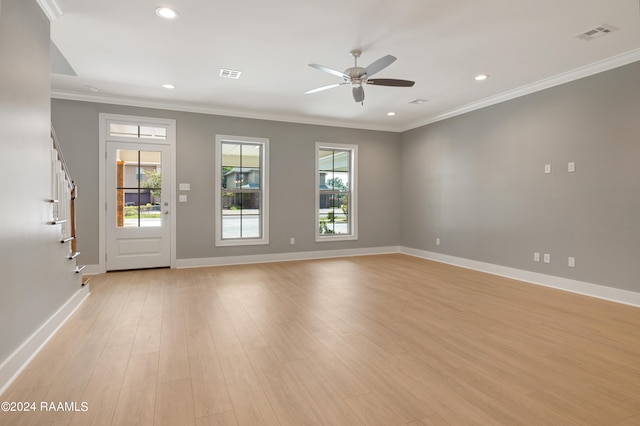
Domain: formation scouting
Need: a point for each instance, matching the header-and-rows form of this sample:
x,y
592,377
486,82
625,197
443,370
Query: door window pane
x,y
138,188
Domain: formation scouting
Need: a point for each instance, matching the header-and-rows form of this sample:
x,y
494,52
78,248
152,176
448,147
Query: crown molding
x,y
50,8
566,77
569,76
203,109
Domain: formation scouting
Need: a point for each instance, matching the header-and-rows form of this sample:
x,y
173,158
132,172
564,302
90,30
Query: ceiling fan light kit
x,y
357,76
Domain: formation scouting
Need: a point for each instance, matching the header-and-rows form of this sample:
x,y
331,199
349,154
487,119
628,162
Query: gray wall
x,y
35,276
292,154
477,182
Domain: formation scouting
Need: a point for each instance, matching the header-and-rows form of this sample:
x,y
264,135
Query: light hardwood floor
x,y
384,340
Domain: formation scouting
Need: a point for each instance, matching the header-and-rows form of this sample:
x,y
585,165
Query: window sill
x,y
232,243
326,239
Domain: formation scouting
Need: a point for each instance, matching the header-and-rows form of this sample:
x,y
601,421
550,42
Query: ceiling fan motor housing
x,y
356,75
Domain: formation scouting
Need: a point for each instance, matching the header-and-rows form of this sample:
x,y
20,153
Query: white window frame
x,y
264,183
353,193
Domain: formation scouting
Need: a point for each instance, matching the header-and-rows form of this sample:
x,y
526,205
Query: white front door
x,y
138,205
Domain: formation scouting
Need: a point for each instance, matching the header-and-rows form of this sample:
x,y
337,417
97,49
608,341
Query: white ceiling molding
x,y
586,71
595,68
203,109
50,8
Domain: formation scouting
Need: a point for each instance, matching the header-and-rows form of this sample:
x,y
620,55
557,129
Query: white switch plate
x,y
184,187
536,257
182,198
292,240
547,168
437,241
571,167
546,258
571,262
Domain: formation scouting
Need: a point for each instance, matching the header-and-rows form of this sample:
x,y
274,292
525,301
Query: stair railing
x,y
63,198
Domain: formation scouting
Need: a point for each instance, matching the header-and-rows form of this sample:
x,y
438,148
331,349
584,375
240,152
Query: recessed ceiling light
x,y
169,86
166,12
391,113
481,77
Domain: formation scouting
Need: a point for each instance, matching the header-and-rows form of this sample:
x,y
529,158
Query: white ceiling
x,y
127,52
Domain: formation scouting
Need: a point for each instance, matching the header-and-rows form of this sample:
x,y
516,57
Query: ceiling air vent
x,y
597,32
229,73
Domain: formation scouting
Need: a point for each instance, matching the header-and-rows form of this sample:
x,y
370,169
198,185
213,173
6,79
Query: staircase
x,y
63,198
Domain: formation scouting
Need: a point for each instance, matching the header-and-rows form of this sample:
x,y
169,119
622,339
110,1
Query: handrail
x,y
65,169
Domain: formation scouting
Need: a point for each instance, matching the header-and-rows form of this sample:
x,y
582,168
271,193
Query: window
x,y
336,192
136,131
241,191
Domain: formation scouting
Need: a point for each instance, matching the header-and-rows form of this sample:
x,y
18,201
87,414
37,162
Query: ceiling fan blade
x,y
320,89
391,82
379,65
358,93
330,71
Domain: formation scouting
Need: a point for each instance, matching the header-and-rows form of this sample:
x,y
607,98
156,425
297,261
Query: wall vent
x,y
230,73
596,32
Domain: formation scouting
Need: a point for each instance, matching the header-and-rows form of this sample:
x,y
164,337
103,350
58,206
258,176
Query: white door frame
x,y
103,126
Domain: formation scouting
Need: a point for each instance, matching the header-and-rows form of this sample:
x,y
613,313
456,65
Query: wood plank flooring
x,y
388,340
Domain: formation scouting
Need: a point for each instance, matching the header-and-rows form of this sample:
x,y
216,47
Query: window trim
x,y
264,180
353,193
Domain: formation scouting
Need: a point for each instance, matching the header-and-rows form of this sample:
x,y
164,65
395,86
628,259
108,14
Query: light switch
x,y
571,167
185,187
182,198
547,168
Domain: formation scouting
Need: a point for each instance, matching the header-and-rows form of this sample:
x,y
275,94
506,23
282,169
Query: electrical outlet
x,y
571,262
546,258
536,257
571,167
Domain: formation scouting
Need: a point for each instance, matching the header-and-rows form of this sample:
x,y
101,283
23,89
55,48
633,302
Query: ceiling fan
x,y
357,76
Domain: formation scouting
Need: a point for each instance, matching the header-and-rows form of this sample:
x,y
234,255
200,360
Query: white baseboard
x,y
91,270
283,257
588,289
21,357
